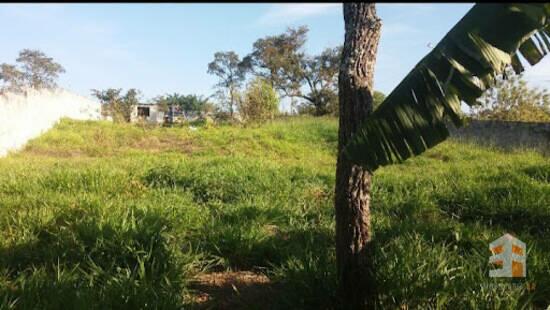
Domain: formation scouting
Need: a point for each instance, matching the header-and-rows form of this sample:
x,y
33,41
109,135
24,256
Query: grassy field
x,y
95,215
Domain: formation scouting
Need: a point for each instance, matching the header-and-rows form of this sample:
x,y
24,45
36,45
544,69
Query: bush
x,y
260,101
512,99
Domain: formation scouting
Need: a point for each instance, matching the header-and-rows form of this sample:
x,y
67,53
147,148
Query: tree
x,y
36,71
333,108
13,79
186,103
115,105
353,182
231,72
511,99
39,70
108,98
281,60
260,101
193,103
413,118
321,77
126,106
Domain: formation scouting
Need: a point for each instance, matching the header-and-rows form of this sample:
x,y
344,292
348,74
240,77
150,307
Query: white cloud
x,y
289,12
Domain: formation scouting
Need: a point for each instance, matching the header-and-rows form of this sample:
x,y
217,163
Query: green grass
x,y
99,215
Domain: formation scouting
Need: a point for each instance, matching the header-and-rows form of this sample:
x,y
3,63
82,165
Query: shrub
x,y
260,101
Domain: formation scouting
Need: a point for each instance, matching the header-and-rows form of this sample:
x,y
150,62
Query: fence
x,y
506,135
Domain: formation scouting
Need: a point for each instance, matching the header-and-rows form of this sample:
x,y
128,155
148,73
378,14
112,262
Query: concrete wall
x,y
24,117
507,135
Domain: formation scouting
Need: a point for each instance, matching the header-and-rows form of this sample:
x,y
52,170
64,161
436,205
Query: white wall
x,y
25,117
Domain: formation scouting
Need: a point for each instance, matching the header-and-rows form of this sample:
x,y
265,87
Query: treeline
x,y
281,63
249,88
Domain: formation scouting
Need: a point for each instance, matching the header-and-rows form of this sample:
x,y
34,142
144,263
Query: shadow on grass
x,y
299,262
540,173
75,262
512,219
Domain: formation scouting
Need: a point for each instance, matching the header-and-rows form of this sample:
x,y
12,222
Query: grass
x,y
95,215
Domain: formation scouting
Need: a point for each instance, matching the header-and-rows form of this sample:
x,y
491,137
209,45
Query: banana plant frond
x,y
416,114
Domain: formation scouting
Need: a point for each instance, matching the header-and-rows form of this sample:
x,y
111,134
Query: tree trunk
x,y
353,184
231,102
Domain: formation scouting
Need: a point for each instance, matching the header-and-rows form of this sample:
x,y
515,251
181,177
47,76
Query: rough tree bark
x,y
352,196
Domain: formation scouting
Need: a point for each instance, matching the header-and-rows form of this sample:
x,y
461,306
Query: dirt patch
x,y
155,144
233,290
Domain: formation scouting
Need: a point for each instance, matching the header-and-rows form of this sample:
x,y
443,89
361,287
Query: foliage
x,y
332,107
281,60
511,99
119,107
36,71
12,78
231,72
321,76
208,107
130,220
194,103
278,59
461,66
260,101
187,103
377,98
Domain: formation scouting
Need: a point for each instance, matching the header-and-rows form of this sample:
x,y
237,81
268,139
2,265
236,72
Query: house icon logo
x,y
510,254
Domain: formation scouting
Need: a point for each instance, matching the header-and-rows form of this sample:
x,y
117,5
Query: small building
x,y
147,112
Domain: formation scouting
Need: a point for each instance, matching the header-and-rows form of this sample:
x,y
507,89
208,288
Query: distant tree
x,y
128,102
260,101
231,72
36,71
512,99
108,98
39,70
208,107
187,103
333,100
320,74
12,79
174,99
118,106
281,60
193,103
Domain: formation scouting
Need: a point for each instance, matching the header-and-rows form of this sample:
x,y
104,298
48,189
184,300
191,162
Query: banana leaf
x,y
416,114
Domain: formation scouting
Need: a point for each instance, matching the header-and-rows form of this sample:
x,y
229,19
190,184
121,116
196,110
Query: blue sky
x,y
165,48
